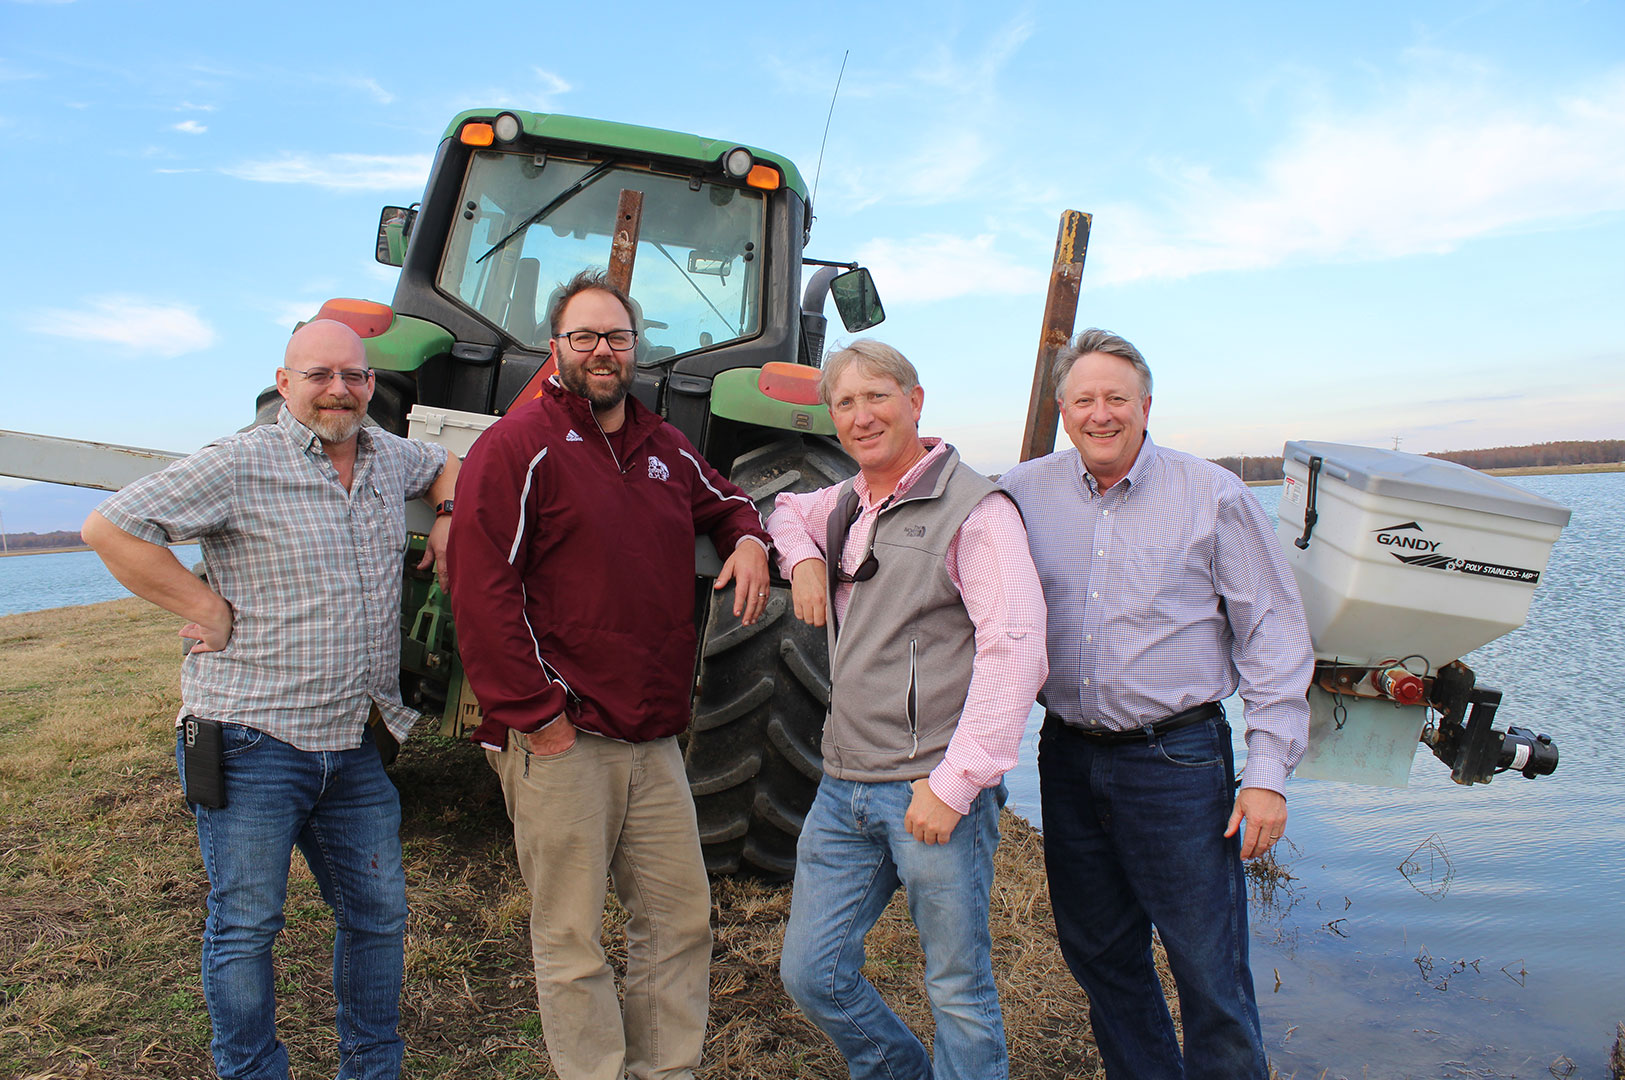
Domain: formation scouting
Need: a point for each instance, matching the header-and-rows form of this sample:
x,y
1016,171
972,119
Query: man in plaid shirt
x,y
297,647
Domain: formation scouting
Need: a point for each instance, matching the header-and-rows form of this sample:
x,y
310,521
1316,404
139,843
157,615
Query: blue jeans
x,y
341,810
852,856
1133,837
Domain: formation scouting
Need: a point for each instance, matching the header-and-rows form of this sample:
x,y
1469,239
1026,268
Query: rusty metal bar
x,y
1060,313
623,250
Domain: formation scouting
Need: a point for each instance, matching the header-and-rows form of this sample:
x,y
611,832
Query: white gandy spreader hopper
x,y
1406,564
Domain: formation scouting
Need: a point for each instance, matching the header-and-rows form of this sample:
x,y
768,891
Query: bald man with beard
x,y
296,650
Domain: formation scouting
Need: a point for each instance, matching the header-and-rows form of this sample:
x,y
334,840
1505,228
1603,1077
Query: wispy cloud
x,y
551,83
941,124
1434,167
373,90
942,267
142,325
189,127
188,106
340,172
11,73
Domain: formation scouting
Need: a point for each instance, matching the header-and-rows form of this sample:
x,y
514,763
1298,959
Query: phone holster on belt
x,y
203,774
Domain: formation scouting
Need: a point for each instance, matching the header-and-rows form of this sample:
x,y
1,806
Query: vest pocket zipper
x,y
913,696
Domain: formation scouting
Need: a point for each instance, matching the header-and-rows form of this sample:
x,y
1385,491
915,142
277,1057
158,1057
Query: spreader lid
x,y
1398,475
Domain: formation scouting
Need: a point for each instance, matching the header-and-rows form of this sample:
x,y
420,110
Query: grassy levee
x,y
102,902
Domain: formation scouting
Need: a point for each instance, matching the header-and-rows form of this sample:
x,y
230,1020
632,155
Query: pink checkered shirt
x,y
989,564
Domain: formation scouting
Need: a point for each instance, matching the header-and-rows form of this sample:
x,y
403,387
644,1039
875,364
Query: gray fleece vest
x,y
901,659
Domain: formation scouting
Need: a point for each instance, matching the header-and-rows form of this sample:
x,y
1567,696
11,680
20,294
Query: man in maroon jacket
x,y
572,554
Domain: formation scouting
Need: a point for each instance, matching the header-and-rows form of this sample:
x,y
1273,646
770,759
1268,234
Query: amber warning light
x,y
367,318
793,384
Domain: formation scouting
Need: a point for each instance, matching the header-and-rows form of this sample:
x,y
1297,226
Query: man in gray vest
x,y
919,567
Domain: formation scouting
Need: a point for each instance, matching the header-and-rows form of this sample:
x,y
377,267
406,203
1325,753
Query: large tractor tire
x,y
753,748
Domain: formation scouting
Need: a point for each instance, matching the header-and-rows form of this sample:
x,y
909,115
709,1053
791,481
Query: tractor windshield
x,y
698,275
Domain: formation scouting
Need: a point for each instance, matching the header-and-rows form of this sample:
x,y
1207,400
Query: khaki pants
x,y
623,810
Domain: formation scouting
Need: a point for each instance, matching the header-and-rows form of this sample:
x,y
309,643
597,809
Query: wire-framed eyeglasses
x,y
322,376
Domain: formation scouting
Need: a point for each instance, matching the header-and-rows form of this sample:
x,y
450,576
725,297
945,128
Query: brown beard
x,y
575,380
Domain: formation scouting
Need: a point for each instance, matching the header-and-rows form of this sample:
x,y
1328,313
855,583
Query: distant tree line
x,y
1251,468
1573,452
39,541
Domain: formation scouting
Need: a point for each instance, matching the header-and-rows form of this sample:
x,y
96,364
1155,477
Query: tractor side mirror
x,y
394,230
857,300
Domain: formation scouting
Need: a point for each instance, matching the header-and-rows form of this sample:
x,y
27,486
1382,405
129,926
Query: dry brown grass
x,y
102,902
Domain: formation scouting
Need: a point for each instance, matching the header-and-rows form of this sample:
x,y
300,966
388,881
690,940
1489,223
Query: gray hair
x,y
1095,340
872,358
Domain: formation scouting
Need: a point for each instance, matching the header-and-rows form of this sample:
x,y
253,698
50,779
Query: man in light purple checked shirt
x,y
919,566
1166,591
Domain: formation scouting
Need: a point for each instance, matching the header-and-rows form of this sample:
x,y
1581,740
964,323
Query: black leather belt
x,y
1193,715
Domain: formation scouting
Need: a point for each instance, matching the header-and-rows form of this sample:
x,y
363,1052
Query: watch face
x,y
443,507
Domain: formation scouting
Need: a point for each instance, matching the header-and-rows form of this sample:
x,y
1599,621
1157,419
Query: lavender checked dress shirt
x,y
1166,591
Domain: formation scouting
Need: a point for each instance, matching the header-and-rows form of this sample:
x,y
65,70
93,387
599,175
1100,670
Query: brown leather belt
x,y
1193,715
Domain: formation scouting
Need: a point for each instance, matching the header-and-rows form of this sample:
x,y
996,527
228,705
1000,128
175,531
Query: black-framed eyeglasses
x,y
587,340
322,376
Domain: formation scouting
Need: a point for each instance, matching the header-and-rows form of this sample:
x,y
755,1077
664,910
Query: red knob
x,y
1400,685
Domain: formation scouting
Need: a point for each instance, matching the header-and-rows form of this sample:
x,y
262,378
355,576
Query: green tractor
x,y
708,236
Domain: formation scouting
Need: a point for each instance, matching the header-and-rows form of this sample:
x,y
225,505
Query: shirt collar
x,y
1137,474
934,448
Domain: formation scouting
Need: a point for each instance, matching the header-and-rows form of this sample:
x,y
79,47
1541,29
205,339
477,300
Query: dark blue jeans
x,y
342,812
1134,838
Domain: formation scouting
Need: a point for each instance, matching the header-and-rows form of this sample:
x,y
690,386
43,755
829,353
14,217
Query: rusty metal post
x,y
1060,313
623,250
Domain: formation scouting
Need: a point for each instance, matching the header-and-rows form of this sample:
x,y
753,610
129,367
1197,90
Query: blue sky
x,y
1346,222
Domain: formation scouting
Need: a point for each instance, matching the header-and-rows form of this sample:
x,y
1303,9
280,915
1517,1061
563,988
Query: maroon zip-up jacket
x,y
573,573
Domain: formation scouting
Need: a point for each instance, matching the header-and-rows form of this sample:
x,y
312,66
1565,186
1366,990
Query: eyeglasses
x,y
322,376
866,570
587,340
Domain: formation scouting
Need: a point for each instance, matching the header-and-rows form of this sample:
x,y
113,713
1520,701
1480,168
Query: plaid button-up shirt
x,y
312,573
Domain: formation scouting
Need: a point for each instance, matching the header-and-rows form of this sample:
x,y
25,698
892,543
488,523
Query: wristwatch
x,y
442,508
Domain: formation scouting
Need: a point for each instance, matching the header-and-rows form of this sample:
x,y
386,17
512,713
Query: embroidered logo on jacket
x,y
915,531
657,469
572,437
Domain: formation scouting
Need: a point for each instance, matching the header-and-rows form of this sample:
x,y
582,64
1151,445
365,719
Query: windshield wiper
x,y
553,204
695,286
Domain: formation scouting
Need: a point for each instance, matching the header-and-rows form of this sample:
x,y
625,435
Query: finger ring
x,y
761,594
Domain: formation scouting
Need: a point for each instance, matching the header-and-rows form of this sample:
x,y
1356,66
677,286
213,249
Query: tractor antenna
x,y
820,170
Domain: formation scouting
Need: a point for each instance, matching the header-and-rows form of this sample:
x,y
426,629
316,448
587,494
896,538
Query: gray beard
x,y
337,429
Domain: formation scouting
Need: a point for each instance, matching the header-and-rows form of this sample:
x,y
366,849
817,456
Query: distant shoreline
x,y
1524,470
44,551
